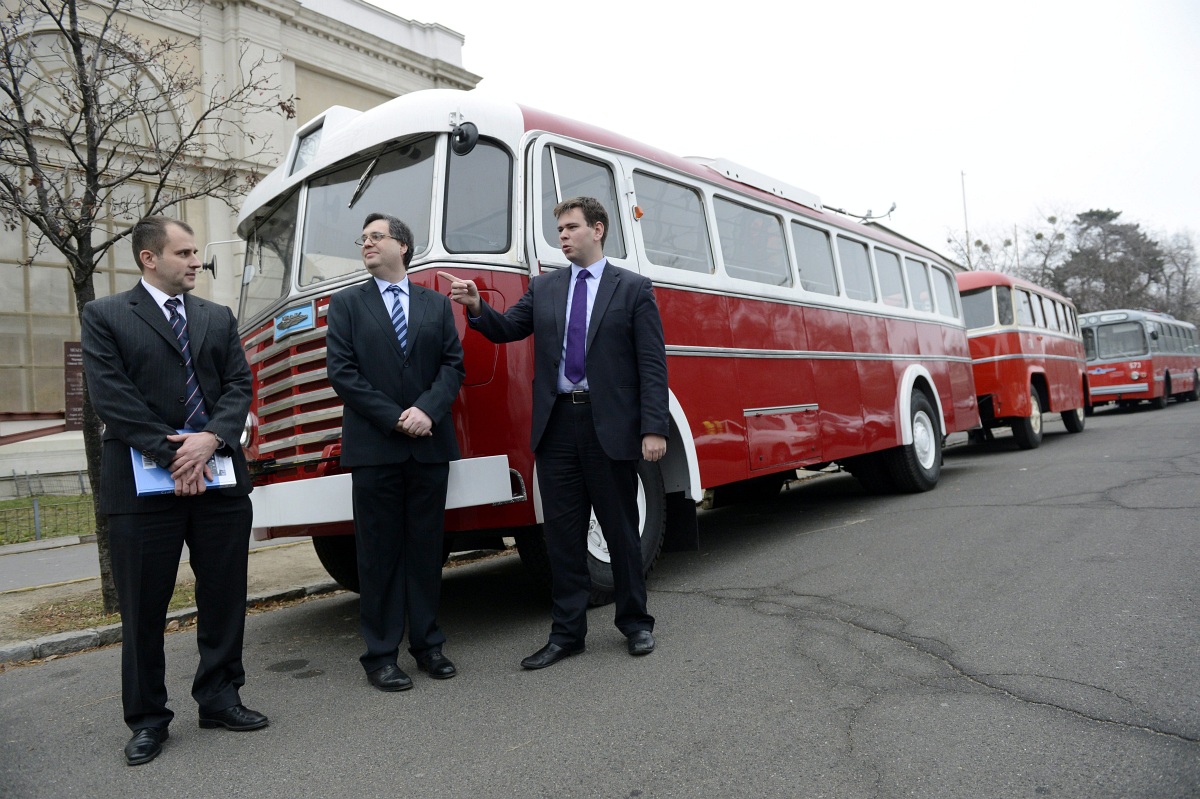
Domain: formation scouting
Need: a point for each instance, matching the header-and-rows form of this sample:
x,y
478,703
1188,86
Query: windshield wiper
x,y
363,182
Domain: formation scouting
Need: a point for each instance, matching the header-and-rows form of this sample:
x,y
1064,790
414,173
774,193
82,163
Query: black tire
x,y
873,472
1160,402
1027,432
531,541
1194,394
1073,420
652,517
339,555
917,466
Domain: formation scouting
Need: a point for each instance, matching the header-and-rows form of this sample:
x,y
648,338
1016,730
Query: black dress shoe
x,y
238,718
437,664
549,655
641,643
389,678
145,745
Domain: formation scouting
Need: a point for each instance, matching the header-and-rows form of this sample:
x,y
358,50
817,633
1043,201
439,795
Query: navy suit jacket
x,y
626,361
377,380
136,381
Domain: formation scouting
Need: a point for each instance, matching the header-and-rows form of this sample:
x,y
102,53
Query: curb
x,y
57,542
80,640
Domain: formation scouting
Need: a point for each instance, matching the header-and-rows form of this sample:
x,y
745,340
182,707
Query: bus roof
x,y
1129,315
982,278
340,133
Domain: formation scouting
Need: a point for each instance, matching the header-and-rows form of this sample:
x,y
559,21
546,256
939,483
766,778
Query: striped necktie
x,y
398,320
197,416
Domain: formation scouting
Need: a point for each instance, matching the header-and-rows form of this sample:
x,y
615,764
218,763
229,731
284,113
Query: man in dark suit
x,y
158,360
599,403
394,358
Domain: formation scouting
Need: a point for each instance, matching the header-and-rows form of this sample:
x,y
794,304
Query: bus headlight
x,y
249,431
1135,374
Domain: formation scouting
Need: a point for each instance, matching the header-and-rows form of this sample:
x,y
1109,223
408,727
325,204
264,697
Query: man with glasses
x,y
394,358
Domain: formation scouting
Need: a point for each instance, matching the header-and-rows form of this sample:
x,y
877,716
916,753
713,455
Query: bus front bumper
x,y
283,509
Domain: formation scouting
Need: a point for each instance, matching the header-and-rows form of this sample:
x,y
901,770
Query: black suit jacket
x,y
136,381
626,361
376,380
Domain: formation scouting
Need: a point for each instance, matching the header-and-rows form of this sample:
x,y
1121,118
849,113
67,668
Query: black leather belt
x,y
576,397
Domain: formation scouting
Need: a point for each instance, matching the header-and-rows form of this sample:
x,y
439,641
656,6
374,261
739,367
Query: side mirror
x,y
463,138
211,266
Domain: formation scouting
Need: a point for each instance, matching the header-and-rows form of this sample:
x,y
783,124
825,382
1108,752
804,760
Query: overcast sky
x,y
1045,106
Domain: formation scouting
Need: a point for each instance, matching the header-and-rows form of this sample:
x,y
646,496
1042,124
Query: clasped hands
x,y
189,466
415,423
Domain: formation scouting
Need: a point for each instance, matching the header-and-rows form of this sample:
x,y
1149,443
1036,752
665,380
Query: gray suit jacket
x,y
626,358
377,380
135,379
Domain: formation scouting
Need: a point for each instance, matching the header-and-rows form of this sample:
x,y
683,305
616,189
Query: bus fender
x,y
904,397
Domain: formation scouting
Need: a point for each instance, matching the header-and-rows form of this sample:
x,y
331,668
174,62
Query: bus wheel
x,y
917,466
1194,394
1073,420
339,555
1028,431
652,523
1160,402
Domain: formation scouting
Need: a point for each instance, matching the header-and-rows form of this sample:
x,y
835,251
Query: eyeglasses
x,y
374,237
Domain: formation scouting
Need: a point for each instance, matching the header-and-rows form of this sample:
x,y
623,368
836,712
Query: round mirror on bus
x,y
464,138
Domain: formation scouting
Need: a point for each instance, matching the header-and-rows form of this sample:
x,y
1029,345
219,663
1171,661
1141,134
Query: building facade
x,y
327,52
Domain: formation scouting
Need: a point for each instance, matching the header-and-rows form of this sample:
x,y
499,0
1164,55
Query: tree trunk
x,y
85,292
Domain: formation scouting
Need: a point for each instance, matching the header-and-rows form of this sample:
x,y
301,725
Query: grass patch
x,y
82,611
58,516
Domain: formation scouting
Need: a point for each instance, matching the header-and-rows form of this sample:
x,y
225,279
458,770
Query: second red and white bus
x,y
795,338
1027,355
1140,356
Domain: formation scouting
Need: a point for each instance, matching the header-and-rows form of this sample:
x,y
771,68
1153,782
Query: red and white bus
x,y
1027,355
1135,356
795,338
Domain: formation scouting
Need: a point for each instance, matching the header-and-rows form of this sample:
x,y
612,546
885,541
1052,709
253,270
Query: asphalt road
x,y
1028,629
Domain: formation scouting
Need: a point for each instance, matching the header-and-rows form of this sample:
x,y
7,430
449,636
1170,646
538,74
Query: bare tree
x,y
1179,290
1045,248
99,126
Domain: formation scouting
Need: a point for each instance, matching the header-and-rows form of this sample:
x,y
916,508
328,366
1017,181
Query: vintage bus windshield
x,y
269,259
1122,340
477,215
980,306
398,182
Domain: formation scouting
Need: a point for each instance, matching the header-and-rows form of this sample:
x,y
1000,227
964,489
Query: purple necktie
x,y
577,329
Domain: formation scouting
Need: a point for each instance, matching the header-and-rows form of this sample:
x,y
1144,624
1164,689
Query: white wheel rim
x,y
597,546
924,442
1035,418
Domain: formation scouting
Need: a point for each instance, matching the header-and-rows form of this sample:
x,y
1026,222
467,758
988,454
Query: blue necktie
x,y
197,416
577,329
398,320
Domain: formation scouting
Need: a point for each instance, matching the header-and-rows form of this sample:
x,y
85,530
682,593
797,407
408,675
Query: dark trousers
x,y
575,477
399,521
146,548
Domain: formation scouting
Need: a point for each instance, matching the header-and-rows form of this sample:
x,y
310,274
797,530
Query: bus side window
x,y
566,175
1039,318
752,244
945,289
918,285
815,259
856,269
673,230
1051,313
1024,308
891,282
1004,304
